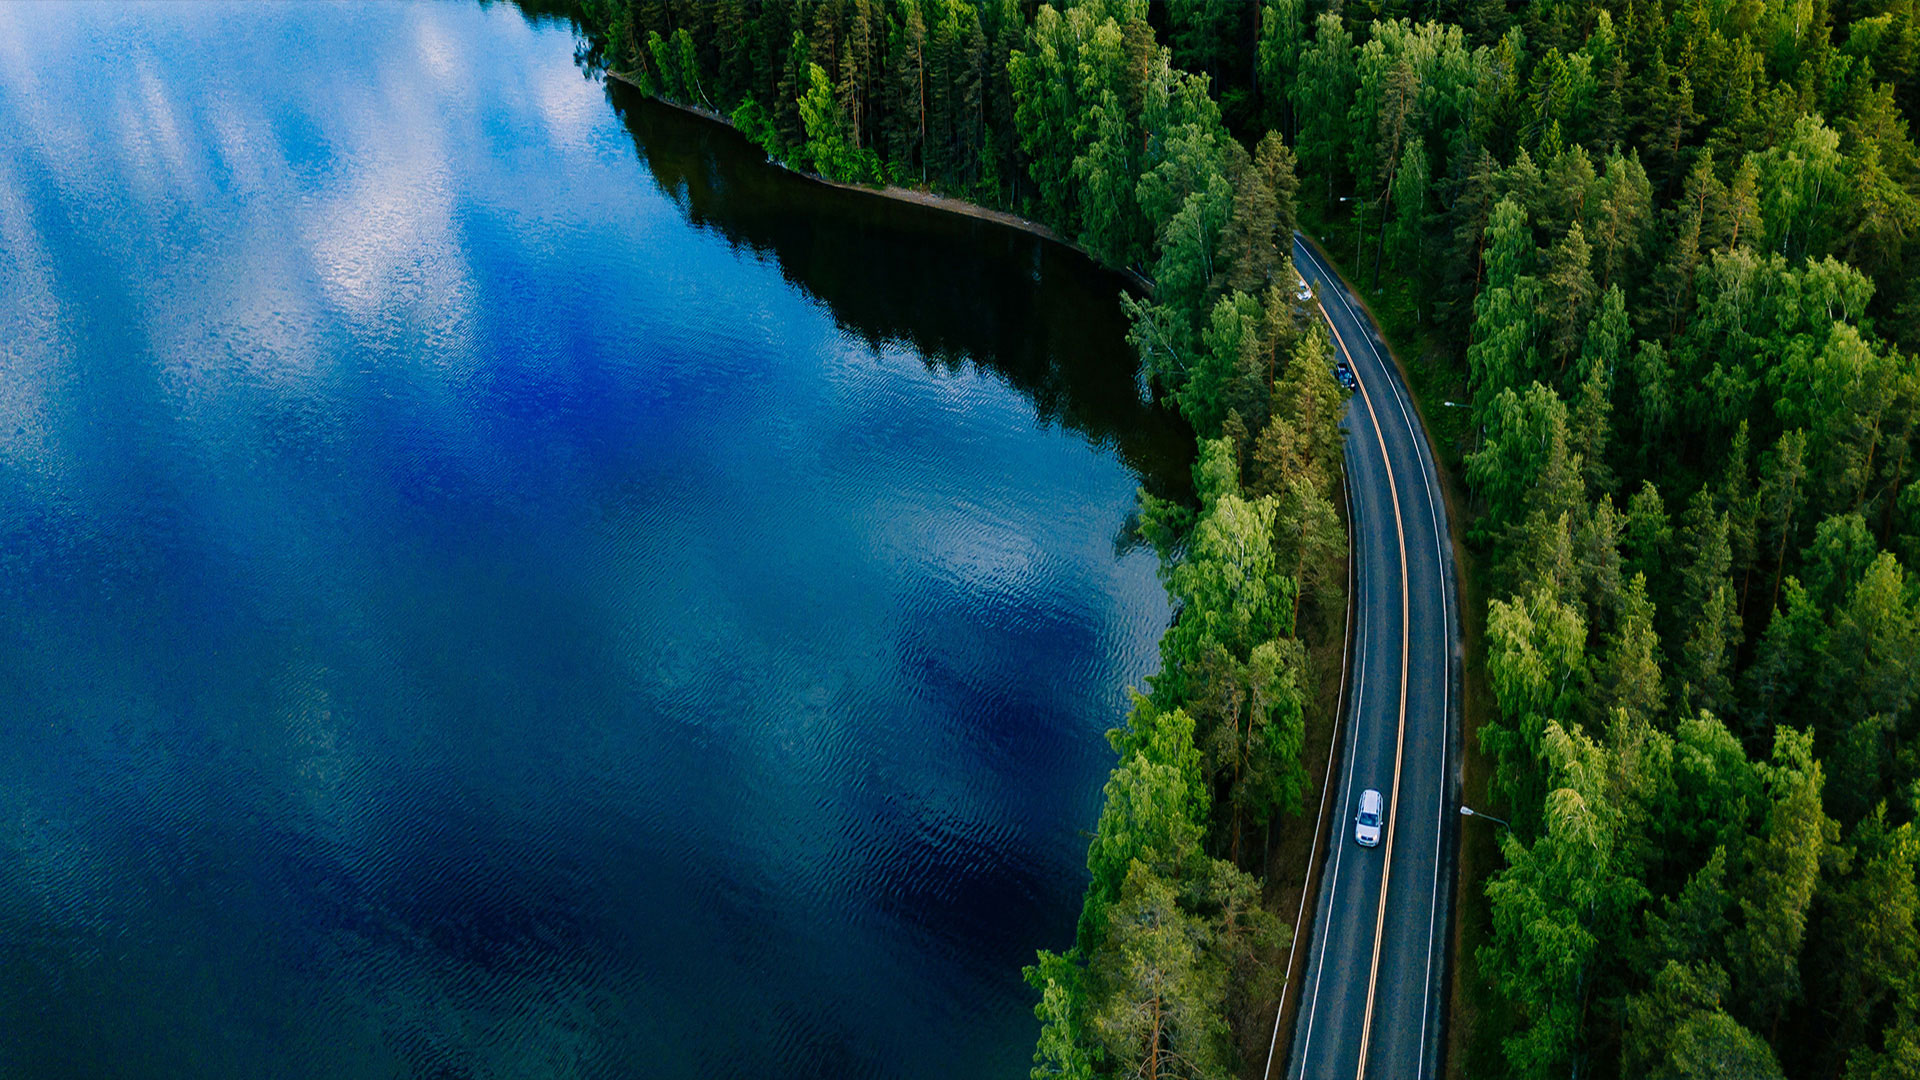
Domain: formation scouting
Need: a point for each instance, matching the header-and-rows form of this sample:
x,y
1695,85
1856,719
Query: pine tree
x,y
1275,164
1569,293
1259,228
1409,197
1281,41
1321,96
1693,214
1628,674
1311,544
1163,1016
1108,215
826,150
1625,214
1708,610
1782,478
1501,355
1785,866
1873,946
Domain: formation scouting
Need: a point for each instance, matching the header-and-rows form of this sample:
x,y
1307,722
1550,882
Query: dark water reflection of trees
x,y
958,290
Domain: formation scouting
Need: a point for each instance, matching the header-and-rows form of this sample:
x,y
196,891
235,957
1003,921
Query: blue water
x,y
498,581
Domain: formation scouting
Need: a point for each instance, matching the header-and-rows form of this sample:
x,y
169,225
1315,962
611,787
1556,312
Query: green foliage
x,y
1108,217
1321,95
1184,272
1785,859
1678,1030
1870,961
1649,262
1165,986
1523,447
1666,247
1231,593
1259,229
1506,313
1535,666
1557,901
675,73
1155,803
1062,1052
1229,349
1281,40
828,151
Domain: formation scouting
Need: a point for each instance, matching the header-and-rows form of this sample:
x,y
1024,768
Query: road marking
x,y
1326,783
1446,685
1339,850
1400,739
1446,697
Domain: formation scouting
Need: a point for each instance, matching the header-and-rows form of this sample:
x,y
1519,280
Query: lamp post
x,y
1468,811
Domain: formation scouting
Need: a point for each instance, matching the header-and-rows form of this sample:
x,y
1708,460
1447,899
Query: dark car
x,y
1344,375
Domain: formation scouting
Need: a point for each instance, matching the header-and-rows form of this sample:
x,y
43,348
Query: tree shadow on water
x,y
958,290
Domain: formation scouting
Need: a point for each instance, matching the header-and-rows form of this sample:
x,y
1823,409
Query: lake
x,y
498,580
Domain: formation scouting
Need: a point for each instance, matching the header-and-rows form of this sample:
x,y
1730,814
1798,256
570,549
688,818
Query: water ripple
x,y
497,585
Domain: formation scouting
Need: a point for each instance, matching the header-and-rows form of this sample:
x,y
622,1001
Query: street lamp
x,y
1456,405
1468,811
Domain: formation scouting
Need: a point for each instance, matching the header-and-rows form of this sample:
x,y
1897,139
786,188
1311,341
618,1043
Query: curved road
x,y
1375,983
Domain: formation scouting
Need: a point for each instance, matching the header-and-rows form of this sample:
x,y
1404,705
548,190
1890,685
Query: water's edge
x,y
1135,280
497,581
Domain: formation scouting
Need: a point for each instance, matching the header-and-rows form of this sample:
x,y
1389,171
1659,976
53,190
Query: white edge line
x,y
1339,851
1426,479
1326,783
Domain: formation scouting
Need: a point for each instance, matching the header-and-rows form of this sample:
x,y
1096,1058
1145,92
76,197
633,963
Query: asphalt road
x,y
1375,982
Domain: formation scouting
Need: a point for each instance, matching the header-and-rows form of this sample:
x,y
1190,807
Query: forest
x,y
1661,248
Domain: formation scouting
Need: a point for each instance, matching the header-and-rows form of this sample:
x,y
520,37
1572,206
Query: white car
x,y
1366,824
1305,292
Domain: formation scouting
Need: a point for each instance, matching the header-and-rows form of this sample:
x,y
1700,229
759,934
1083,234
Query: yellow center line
x,y
1400,739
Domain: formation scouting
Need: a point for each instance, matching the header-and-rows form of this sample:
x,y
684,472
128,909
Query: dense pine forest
x,y
1662,248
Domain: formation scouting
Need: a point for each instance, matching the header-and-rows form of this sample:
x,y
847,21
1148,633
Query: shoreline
x,y
946,203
